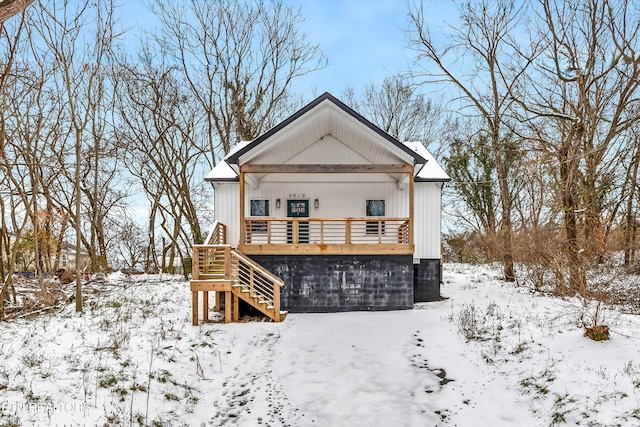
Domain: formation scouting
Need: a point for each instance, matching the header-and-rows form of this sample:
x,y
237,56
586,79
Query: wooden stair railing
x,y
220,268
257,286
217,235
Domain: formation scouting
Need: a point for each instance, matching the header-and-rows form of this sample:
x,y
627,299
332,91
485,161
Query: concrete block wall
x,y
427,278
333,283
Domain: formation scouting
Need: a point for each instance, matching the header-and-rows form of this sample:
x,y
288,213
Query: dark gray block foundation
x,y
332,283
427,276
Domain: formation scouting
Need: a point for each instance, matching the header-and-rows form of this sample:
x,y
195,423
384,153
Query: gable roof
x,y
235,157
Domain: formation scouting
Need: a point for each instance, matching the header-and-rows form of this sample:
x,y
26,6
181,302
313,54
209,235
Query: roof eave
x,y
432,179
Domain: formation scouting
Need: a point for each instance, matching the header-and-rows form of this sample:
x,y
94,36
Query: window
x,y
375,207
259,207
63,260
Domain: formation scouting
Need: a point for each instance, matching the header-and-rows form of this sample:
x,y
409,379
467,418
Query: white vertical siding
x,y
427,212
227,209
336,200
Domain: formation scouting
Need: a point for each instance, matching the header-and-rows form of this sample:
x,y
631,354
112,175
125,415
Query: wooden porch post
x,y
236,308
227,263
227,306
195,275
411,181
195,264
229,297
194,308
205,306
242,231
216,307
276,303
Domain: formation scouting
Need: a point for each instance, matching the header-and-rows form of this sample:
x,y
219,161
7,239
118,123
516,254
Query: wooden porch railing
x,y
225,270
321,231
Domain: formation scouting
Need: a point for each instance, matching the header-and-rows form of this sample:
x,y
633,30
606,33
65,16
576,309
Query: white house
x,y
344,215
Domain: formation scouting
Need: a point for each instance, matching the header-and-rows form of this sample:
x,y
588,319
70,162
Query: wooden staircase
x,y
219,268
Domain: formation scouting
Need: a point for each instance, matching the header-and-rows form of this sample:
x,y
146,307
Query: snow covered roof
x,y
431,171
222,171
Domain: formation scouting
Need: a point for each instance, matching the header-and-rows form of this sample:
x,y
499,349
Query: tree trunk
x,y
630,222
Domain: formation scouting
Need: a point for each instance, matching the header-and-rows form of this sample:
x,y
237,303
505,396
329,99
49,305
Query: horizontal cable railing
x,y
256,280
370,230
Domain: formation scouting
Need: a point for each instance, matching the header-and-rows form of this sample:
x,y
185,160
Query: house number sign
x,y
295,195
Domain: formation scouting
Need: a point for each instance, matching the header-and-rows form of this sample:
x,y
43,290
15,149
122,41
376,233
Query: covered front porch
x,y
308,209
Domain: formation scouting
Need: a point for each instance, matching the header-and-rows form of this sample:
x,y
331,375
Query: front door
x,y
298,209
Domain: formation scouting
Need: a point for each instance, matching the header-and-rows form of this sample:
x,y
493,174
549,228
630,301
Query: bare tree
x,y
631,185
15,200
238,60
581,97
159,126
485,39
131,243
79,72
398,108
9,8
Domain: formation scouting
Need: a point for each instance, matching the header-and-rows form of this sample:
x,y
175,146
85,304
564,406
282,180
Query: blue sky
x,y
363,40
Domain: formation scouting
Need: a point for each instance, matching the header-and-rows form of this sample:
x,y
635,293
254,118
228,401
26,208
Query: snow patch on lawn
x,y
489,354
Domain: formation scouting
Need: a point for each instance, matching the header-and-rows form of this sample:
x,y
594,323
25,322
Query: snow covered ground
x,y
491,354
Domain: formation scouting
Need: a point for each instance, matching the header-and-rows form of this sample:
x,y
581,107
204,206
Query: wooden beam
x,y
211,285
355,168
242,237
411,208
